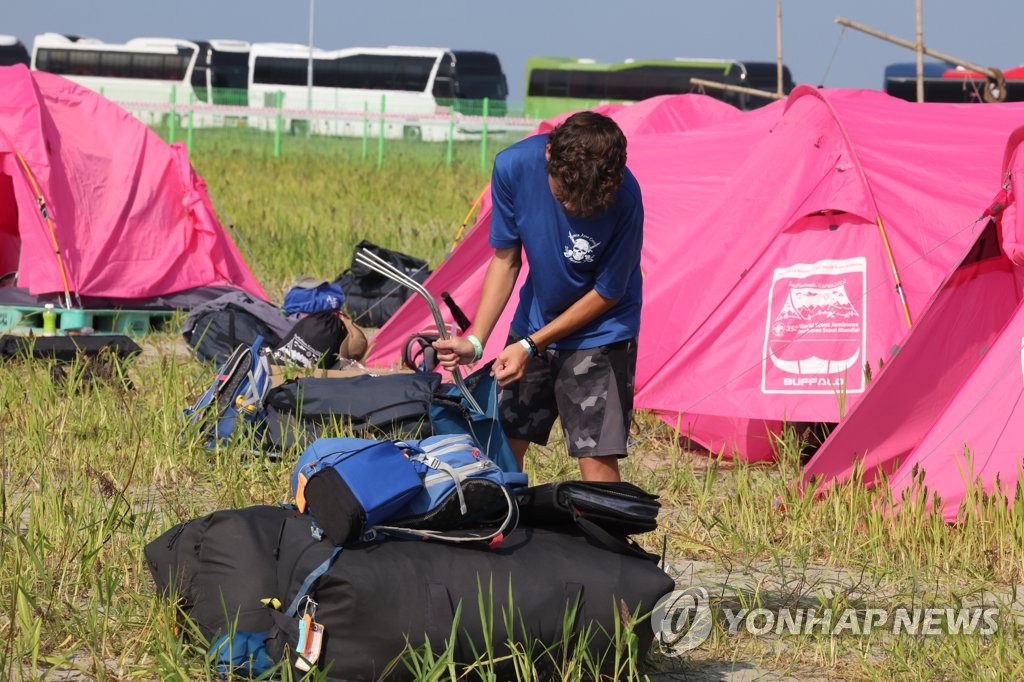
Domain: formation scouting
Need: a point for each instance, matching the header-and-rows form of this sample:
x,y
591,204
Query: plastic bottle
x,y
49,320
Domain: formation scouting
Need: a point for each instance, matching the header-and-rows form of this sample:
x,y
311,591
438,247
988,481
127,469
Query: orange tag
x,y
300,494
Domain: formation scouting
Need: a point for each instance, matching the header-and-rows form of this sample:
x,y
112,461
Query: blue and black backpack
x,y
441,487
234,403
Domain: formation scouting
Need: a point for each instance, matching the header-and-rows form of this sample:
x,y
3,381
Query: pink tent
x,y
94,203
827,244
947,414
773,242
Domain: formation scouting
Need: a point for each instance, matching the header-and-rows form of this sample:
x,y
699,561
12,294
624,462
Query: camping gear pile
x,y
409,509
392,542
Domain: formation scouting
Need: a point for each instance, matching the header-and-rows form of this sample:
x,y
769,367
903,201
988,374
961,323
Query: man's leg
x,y
594,390
527,408
604,468
519,448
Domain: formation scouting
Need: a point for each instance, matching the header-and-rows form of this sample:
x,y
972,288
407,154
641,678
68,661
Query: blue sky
x,y
817,50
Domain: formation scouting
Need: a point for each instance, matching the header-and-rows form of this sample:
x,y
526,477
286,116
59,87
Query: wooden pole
x,y
735,88
920,53
778,46
986,70
995,86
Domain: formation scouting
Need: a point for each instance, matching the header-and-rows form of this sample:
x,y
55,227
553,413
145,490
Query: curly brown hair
x,y
586,162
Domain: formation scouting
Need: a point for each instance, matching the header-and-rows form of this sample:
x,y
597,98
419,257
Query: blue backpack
x,y
441,487
235,400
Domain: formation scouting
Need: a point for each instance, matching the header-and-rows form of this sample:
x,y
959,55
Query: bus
x,y
944,82
221,72
420,90
555,85
148,74
12,51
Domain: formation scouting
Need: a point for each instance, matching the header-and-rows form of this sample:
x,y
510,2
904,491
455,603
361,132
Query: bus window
x,y
413,81
557,84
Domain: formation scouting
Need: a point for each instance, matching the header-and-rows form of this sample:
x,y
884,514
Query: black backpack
x,y
313,341
217,334
371,298
374,406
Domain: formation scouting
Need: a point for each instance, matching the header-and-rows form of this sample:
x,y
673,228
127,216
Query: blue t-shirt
x,y
568,256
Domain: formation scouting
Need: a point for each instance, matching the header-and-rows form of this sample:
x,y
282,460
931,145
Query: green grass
x,y
304,212
92,471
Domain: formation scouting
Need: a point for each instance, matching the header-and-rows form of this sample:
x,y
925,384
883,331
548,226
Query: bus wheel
x,y
300,126
412,133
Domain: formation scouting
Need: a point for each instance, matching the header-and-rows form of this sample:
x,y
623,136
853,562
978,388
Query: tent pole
x,y
41,202
895,272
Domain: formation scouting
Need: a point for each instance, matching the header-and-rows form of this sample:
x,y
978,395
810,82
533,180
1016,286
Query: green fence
x,y
454,130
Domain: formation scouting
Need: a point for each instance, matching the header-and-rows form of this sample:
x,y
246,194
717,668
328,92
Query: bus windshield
x,y
479,75
12,51
221,73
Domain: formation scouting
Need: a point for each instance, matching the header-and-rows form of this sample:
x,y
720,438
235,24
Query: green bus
x,y
555,85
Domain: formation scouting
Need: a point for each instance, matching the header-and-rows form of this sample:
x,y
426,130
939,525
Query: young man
x,y
567,200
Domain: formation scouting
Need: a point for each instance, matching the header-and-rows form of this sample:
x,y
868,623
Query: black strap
x,y
615,544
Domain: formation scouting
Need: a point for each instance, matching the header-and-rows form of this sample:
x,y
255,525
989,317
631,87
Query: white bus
x,y
150,72
421,89
12,51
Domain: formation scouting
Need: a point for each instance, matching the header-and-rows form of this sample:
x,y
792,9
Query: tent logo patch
x,y
815,335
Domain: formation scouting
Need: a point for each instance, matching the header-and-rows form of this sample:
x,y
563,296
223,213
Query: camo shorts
x,y
590,390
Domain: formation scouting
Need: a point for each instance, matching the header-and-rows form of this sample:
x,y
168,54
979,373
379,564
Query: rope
x,y
828,67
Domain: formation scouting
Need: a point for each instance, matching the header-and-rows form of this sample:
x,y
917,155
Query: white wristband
x,y
478,348
526,346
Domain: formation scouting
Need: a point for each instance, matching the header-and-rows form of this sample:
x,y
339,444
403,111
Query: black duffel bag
x,y
377,600
219,566
385,406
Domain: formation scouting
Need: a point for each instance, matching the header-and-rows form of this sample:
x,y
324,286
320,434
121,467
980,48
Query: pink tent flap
x,y
130,217
947,415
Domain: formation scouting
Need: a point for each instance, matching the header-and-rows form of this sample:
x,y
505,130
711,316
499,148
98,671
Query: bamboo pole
x,y
996,85
736,88
920,52
778,47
